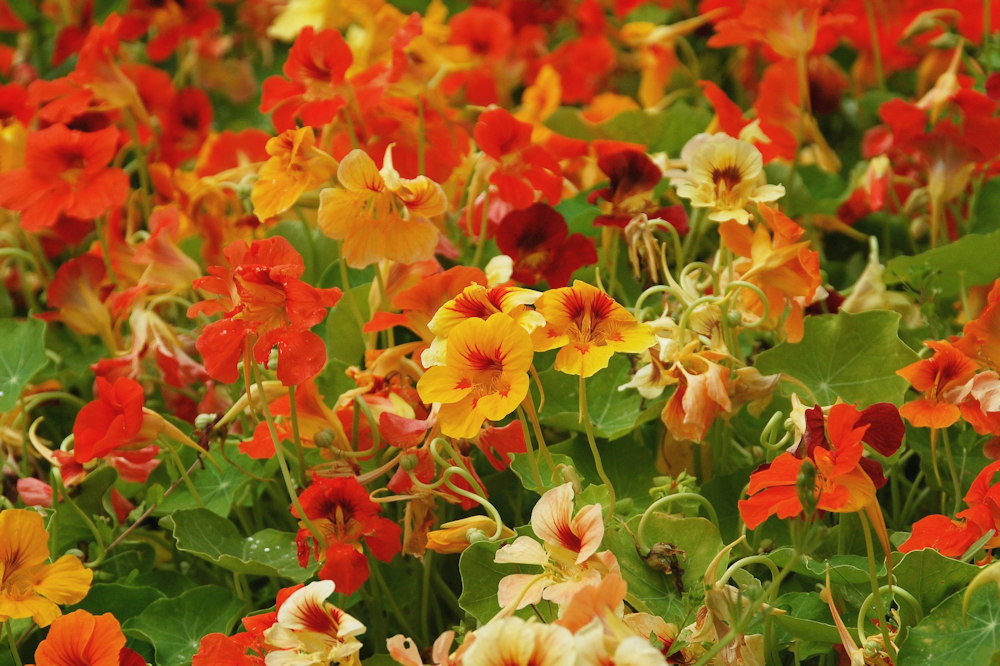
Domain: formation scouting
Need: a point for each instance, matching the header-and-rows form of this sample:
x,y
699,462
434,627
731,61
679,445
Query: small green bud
x,y
805,486
204,421
475,535
408,462
324,438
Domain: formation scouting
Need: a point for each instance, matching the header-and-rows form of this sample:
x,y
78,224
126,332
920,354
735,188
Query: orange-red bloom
x,y
65,172
264,304
523,172
948,369
112,421
844,480
342,511
954,537
315,70
82,638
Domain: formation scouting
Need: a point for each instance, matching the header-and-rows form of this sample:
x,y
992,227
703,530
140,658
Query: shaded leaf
x,y
22,354
176,626
946,270
931,577
945,637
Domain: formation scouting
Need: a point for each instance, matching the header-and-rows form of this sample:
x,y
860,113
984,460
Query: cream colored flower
x,y
511,641
723,174
311,630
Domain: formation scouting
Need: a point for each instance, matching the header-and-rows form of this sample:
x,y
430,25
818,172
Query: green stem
x,y
13,644
296,438
532,460
184,475
876,45
956,483
483,224
589,428
873,581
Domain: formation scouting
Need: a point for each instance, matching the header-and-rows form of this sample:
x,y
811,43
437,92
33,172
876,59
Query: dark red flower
x,y
538,241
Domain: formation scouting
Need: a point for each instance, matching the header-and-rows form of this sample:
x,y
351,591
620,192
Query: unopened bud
x,y
805,486
734,318
204,421
324,438
76,552
408,462
475,535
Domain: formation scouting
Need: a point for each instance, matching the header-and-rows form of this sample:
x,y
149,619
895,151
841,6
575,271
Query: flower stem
x,y
873,580
296,438
13,644
588,426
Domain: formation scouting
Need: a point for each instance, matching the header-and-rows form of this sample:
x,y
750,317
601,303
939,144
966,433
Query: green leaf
x,y
22,354
218,490
853,357
176,626
945,637
210,537
614,413
653,588
808,618
481,579
931,577
661,131
123,601
947,270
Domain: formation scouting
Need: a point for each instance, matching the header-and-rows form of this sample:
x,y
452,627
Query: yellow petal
x,y
340,211
443,384
357,171
65,581
583,359
23,540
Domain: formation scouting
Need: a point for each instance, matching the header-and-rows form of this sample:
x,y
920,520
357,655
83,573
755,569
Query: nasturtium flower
x,y
589,326
311,630
953,537
568,553
345,515
380,215
724,175
844,482
295,165
537,238
453,537
484,375
82,638
264,304
511,641
28,586
65,172
938,378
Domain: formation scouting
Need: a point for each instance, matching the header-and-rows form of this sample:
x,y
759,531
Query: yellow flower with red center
x,y
590,326
477,301
484,376
380,215
28,586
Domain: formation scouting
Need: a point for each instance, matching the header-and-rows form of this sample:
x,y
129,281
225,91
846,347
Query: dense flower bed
x,y
499,333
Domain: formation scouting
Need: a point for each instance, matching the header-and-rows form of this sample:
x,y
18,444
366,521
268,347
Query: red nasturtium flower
x,y
114,420
264,304
342,511
954,537
315,70
523,172
537,239
845,480
633,176
65,171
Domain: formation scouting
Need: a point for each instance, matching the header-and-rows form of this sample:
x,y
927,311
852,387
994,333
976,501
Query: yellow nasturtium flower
x,y
590,326
484,376
28,586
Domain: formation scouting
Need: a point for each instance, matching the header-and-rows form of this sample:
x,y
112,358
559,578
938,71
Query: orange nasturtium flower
x,y
484,376
82,638
28,586
845,481
590,326
295,166
380,215
947,371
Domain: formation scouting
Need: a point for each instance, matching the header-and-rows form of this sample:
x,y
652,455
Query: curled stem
x,y
666,501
